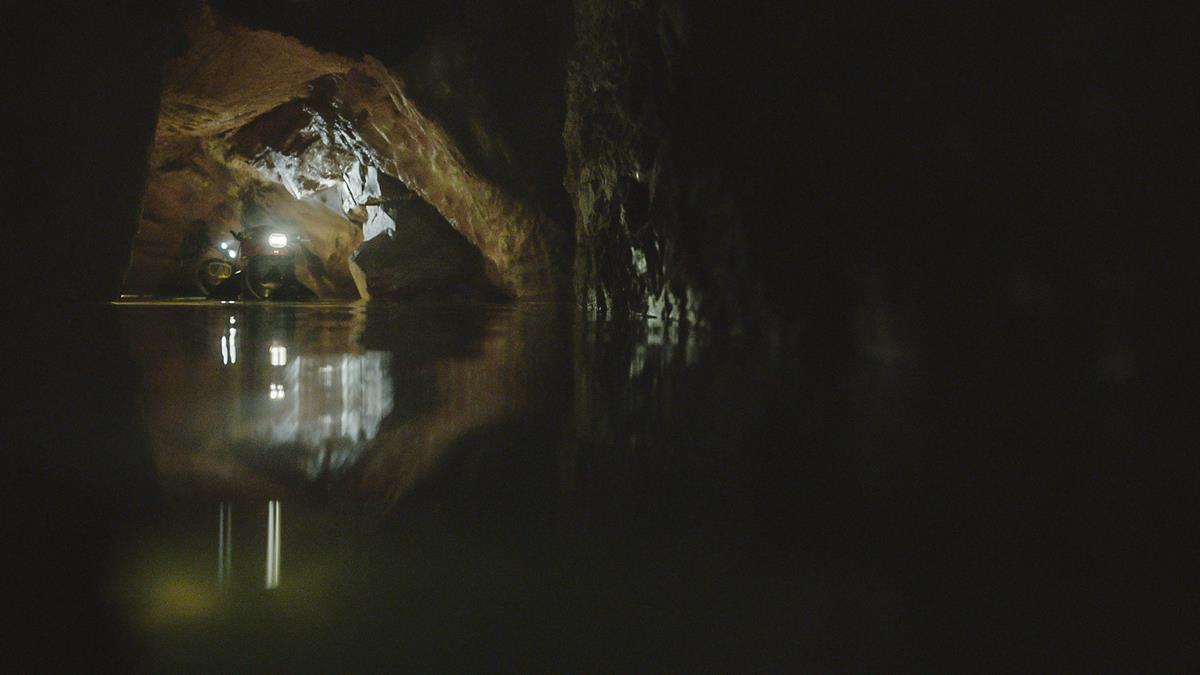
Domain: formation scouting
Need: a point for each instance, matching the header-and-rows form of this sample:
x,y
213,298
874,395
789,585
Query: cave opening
x,y
259,134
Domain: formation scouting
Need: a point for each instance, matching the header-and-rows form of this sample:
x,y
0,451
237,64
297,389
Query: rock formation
x,y
675,163
251,119
738,164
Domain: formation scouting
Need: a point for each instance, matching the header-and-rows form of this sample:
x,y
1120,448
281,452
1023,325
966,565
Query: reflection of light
x,y
229,345
174,598
232,320
324,408
224,543
278,355
272,544
277,240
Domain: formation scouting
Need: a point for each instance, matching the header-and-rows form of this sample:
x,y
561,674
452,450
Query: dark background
x,y
1011,184
955,137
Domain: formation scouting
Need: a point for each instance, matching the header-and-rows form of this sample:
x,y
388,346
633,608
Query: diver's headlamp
x,y
277,240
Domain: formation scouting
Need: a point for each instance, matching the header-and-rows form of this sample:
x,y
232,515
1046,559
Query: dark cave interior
x,y
731,166
652,334
742,167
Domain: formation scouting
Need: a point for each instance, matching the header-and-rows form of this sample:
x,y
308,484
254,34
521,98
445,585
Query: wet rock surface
x,y
226,75
326,122
526,250
196,202
305,145
793,171
675,148
422,256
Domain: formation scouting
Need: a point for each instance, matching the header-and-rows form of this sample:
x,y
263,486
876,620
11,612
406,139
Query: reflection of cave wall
x,y
252,119
319,412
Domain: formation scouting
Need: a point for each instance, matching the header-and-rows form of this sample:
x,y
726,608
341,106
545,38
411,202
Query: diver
x,y
266,269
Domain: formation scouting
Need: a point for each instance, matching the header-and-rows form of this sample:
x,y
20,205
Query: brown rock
x,y
424,255
251,118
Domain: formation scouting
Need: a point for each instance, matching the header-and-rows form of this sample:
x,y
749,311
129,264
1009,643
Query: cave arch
x,y
333,148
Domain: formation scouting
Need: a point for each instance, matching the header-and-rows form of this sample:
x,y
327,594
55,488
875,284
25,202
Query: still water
x,y
369,486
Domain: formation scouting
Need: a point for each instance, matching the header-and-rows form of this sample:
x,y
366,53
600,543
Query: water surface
x,y
366,486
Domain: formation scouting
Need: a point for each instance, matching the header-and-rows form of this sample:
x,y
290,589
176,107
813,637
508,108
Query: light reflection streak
x,y
273,537
332,404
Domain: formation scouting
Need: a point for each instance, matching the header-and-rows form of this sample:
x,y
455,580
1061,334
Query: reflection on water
x,y
503,488
274,534
327,405
320,408
331,398
274,530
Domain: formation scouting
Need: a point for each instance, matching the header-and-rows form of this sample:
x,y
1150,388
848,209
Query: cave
x,y
258,130
618,335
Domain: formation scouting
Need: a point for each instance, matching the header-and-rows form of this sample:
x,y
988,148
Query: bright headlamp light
x,y
277,240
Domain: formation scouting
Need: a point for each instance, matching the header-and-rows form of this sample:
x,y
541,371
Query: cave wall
x,y
524,247
195,201
245,111
219,78
679,140
85,84
901,182
743,161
